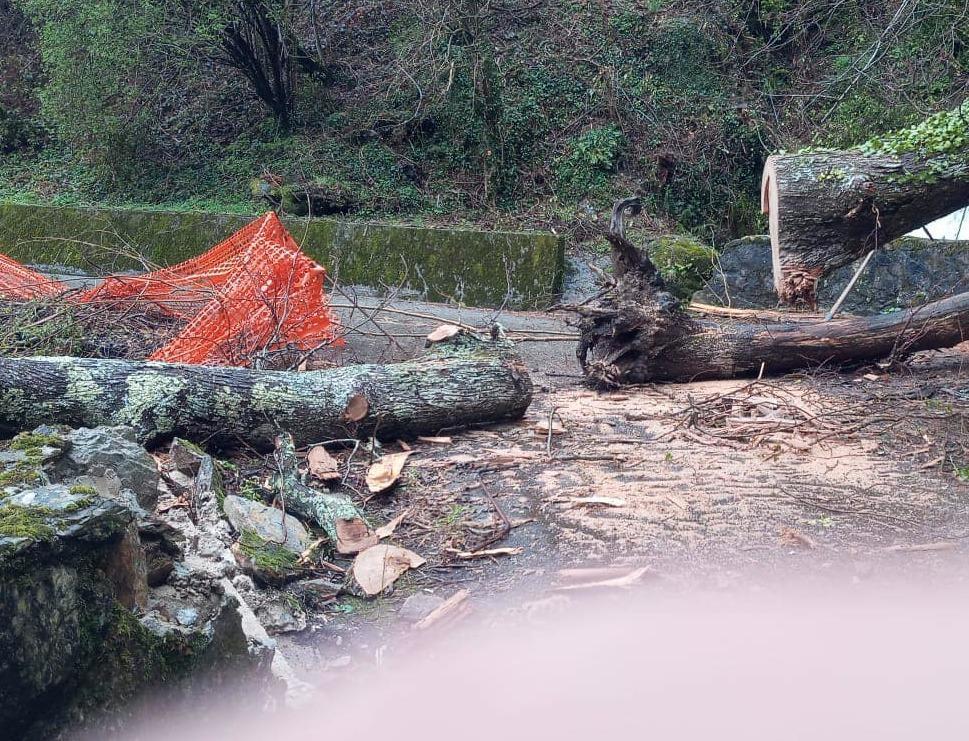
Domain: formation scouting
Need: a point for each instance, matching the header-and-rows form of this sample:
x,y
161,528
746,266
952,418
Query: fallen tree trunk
x,y
640,333
462,381
828,208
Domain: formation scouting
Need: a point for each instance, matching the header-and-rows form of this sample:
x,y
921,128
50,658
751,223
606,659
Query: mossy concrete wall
x,y
520,270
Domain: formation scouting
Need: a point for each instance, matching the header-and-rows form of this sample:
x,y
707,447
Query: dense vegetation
x,y
529,113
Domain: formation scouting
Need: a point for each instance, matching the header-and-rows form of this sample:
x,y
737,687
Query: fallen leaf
x,y
380,566
436,440
630,579
384,473
790,536
356,409
387,530
322,465
453,607
444,332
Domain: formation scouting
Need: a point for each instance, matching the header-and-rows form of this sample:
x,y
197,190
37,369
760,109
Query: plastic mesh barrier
x,y
19,282
251,295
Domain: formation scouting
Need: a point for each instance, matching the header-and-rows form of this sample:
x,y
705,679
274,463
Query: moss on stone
x,y
479,268
83,490
267,556
685,262
24,472
29,442
17,521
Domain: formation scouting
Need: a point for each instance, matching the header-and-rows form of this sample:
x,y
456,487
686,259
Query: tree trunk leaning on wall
x,y
639,333
828,208
459,382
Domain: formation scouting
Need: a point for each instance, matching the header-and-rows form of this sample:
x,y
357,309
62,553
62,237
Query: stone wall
x,y
907,273
518,269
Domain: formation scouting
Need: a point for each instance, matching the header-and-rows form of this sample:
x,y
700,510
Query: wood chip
x,y
387,530
454,607
356,409
380,566
489,553
384,473
541,427
944,545
322,465
444,332
791,537
436,440
621,582
597,501
354,536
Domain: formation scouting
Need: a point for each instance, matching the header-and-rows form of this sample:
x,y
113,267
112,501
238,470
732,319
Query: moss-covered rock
x,y
72,570
685,262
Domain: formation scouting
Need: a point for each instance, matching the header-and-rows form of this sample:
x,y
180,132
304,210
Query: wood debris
x,y
378,567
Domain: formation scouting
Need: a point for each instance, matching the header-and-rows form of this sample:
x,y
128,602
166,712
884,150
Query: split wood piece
x,y
828,208
463,381
452,609
339,517
639,333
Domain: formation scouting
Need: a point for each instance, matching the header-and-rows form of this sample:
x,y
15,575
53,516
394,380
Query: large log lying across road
x,y
462,381
640,333
828,208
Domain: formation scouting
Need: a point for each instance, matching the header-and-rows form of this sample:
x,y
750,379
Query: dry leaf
x,y
436,440
380,566
357,408
322,465
387,530
384,473
444,332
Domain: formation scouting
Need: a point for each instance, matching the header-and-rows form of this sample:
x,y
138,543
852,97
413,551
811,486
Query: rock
x,y
281,614
71,648
271,525
162,547
95,452
418,606
910,271
317,592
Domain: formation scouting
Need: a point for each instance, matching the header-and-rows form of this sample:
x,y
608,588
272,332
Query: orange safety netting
x,y
19,282
255,292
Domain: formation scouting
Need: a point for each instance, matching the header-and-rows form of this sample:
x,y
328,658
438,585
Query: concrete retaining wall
x,y
476,268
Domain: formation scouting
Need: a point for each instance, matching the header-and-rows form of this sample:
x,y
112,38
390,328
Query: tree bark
x,y
339,517
826,209
639,333
463,381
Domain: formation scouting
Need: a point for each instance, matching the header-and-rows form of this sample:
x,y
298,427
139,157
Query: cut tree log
x,y
339,517
828,208
463,381
638,332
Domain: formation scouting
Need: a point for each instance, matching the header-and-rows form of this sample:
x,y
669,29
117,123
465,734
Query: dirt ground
x,y
846,477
